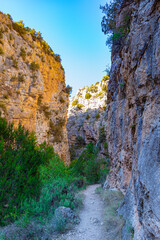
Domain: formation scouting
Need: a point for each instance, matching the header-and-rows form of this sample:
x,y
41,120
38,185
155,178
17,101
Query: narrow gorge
x,y
52,147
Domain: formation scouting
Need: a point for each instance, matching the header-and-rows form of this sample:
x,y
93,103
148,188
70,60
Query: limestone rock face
x,y
86,116
133,120
32,86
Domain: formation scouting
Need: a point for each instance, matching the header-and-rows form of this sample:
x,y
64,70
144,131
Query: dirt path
x,y
91,225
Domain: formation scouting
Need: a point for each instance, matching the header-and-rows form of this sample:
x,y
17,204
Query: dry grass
x,y
113,222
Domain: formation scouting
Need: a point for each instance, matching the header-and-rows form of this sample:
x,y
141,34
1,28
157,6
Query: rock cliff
x,y
86,117
32,80
133,120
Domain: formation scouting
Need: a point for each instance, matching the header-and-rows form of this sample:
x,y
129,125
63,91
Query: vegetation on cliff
x,y
35,181
116,33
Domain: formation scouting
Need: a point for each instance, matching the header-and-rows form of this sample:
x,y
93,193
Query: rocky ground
x,y
91,226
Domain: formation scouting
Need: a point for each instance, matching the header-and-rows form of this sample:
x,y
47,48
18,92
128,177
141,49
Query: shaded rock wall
x,y
32,94
133,120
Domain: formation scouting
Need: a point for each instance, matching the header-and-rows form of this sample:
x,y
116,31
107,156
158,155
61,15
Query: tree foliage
x,y
116,35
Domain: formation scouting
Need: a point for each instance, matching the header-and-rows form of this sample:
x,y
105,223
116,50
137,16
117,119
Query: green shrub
x,y
57,57
68,90
105,88
15,63
45,109
34,180
19,27
21,77
75,102
80,142
80,106
10,37
88,96
87,117
34,66
19,169
93,88
1,51
1,35
87,165
97,116
14,78
23,54
105,78
116,34
102,135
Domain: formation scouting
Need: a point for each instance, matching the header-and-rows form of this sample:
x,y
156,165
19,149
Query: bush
x,y
93,88
116,35
75,102
19,27
21,77
97,116
23,54
57,57
1,51
34,180
90,166
15,63
87,117
19,169
88,96
68,90
102,135
1,35
80,106
34,66
105,78
80,142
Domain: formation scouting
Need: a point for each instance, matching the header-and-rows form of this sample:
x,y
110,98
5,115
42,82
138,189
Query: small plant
x,y
1,35
57,57
105,78
93,88
97,116
1,51
75,102
68,90
40,98
34,66
62,100
80,106
14,78
102,135
88,95
45,109
15,63
3,107
10,37
88,116
80,142
21,77
19,27
23,54
105,88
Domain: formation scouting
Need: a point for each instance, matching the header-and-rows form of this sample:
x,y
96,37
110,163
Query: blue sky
x,y
73,29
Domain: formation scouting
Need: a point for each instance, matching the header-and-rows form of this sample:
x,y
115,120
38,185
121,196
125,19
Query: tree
x,y
116,35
